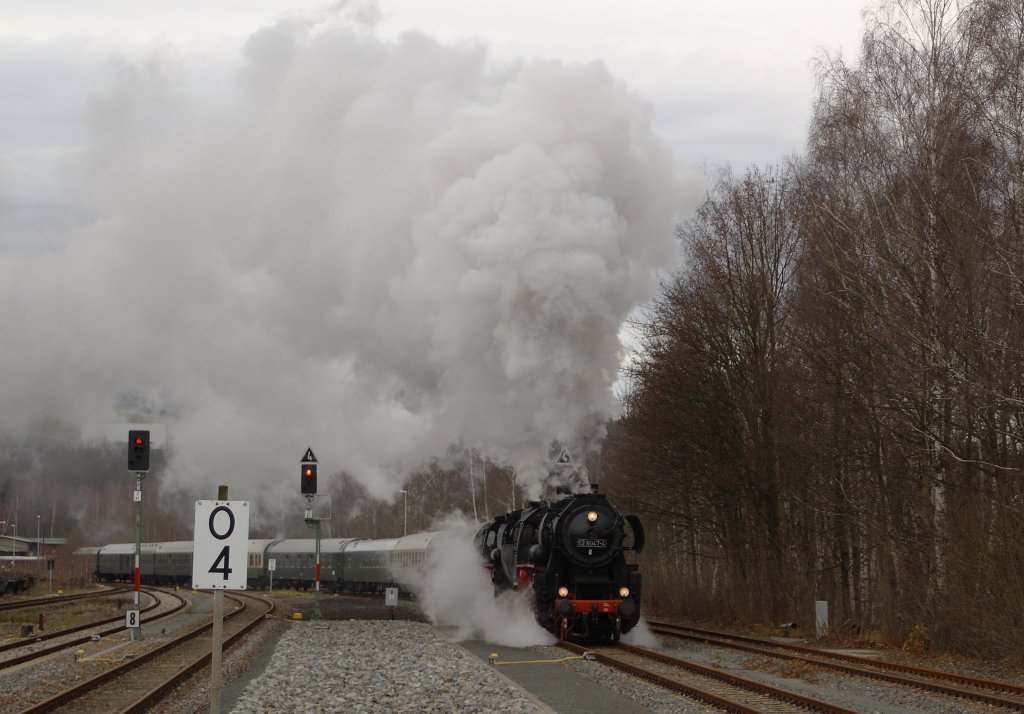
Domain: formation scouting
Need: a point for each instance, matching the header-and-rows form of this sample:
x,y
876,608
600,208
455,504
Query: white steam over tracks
x,y
384,247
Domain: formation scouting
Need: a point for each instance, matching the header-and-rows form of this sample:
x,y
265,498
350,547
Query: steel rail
x,y
151,697
979,689
93,684
21,659
58,599
776,695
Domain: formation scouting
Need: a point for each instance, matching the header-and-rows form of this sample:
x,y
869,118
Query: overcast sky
x,y
731,81
285,225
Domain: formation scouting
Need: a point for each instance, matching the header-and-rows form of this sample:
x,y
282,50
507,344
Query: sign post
x,y
391,600
219,560
271,567
137,497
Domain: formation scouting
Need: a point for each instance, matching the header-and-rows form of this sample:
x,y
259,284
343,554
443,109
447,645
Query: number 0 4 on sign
x,y
221,550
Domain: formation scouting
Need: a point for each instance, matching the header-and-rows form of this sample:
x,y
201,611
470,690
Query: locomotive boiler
x,y
570,554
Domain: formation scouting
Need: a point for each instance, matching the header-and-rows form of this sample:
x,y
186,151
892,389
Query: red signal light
x,y
308,485
138,450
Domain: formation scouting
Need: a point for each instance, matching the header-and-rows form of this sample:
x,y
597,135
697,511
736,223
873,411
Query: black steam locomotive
x,y
571,553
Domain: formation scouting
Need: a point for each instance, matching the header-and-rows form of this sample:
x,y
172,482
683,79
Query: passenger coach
x,y
355,565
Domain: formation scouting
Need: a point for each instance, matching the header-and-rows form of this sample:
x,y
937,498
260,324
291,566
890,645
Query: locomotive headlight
x,y
592,516
563,591
623,592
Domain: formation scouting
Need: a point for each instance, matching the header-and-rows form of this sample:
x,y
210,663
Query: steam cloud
x,y
376,248
454,590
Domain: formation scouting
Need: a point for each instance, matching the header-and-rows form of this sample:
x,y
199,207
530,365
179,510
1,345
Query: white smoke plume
x,y
374,248
641,635
455,591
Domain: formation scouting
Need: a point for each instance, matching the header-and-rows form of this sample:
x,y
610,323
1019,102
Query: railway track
x,y
138,683
20,651
986,691
706,684
51,600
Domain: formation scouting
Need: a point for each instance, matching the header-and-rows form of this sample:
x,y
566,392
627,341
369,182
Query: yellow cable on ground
x,y
539,661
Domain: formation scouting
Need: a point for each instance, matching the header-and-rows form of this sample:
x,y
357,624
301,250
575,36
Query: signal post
x,y
315,514
138,461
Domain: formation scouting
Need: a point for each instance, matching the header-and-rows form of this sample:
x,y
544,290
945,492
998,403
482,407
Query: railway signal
x,y
138,450
308,489
307,484
308,479
138,461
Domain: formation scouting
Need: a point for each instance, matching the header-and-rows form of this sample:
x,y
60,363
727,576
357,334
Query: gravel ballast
x,y
378,665
382,666
322,667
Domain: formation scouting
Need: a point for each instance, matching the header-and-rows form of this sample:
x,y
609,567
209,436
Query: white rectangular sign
x,y
821,618
131,619
221,551
272,565
391,597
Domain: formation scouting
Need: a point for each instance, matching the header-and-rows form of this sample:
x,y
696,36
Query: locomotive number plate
x,y
591,542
